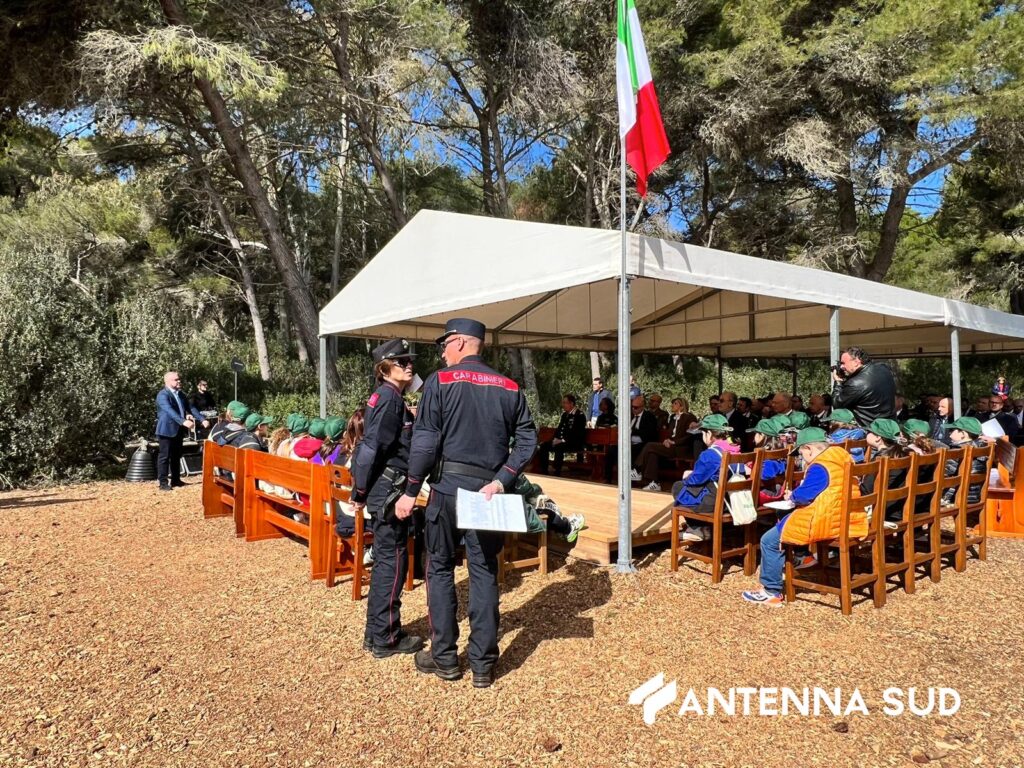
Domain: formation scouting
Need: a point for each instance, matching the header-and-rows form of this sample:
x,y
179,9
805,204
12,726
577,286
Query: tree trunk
x,y
890,233
248,290
530,375
284,320
595,365
303,306
515,363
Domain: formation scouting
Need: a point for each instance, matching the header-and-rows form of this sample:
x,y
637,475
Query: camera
x,y
838,371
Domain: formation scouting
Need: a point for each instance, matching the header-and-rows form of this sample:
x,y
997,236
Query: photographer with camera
x,y
863,386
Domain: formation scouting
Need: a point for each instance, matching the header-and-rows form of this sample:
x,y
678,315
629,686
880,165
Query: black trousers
x,y
482,547
559,450
390,567
168,460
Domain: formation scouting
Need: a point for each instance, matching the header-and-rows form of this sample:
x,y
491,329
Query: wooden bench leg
x,y
674,565
542,552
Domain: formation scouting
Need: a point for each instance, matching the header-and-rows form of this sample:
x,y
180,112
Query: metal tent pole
x,y
624,564
833,335
323,377
954,354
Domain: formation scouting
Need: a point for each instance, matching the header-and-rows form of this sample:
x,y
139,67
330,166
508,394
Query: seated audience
x,y
254,436
330,450
844,427
768,436
232,422
887,441
980,409
673,447
942,415
782,404
308,446
797,403
997,412
570,435
817,516
965,432
654,406
607,417
697,488
643,429
819,411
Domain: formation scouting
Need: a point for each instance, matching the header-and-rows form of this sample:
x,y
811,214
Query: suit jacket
x,y
677,425
646,428
738,422
169,419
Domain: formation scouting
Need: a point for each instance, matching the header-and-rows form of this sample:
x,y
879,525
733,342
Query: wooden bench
x,y
577,465
1005,508
271,516
224,494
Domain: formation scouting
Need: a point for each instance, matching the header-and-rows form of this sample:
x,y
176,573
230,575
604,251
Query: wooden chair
x,y
270,516
719,518
345,553
224,494
948,545
970,510
849,546
776,454
889,496
920,514
510,558
598,442
851,445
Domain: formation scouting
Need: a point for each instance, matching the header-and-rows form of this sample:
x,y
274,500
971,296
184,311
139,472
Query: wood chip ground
x,y
132,632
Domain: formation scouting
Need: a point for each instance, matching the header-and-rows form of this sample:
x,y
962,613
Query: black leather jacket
x,y
870,393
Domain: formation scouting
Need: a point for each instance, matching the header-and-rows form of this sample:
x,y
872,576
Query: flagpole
x,y
625,559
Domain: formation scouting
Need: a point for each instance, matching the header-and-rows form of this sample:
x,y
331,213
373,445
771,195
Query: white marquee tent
x,y
555,287
552,286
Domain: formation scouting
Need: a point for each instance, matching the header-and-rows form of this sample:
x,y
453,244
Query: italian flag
x,y
639,115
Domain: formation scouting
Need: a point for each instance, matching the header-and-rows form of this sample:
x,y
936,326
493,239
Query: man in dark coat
x,y
864,386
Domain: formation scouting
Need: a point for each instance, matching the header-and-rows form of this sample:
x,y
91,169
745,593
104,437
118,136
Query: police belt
x,y
447,467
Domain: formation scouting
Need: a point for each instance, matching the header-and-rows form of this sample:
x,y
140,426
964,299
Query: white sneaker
x,y
368,556
891,525
698,533
635,476
654,485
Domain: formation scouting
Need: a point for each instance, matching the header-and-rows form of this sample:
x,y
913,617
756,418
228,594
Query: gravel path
x,y
132,632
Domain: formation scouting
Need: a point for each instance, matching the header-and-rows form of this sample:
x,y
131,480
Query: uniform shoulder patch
x,y
477,378
373,399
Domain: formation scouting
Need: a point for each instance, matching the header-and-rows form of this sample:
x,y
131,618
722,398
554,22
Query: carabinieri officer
x,y
473,431
379,470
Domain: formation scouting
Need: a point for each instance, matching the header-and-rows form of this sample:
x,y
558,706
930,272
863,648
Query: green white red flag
x,y
639,115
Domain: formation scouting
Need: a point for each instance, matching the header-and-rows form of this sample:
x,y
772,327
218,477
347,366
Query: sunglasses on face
x,y
402,362
441,345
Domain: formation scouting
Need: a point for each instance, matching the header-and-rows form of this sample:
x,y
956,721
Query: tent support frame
x,y
954,355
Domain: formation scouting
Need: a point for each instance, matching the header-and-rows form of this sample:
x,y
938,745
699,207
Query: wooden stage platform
x,y
599,503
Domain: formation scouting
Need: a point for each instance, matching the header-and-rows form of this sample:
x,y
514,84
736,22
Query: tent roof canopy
x,y
552,286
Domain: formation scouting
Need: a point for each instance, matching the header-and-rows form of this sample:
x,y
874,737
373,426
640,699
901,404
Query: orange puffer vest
x,y
820,520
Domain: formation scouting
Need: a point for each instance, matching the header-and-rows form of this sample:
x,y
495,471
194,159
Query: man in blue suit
x,y
175,416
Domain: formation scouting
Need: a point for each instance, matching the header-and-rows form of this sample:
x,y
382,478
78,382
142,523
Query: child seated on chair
x,y
816,517
697,488
965,432
768,435
844,427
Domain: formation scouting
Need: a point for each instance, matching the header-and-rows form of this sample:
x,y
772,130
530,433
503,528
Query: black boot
x,y
404,644
484,678
425,663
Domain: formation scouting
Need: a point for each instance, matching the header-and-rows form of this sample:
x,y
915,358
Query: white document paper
x,y
415,384
504,512
783,505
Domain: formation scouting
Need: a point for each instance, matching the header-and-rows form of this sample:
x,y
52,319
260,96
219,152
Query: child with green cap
x,y
965,432
843,427
695,490
887,440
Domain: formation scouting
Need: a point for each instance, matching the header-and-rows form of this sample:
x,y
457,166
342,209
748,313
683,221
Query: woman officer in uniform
x,y
379,470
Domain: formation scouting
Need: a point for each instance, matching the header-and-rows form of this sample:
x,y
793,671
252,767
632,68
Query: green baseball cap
x,y
770,427
716,422
887,429
254,420
318,428
842,416
335,427
238,410
798,420
809,435
916,427
968,424
297,424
